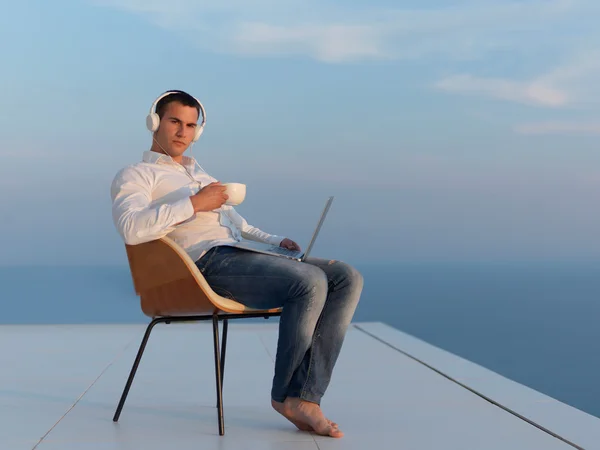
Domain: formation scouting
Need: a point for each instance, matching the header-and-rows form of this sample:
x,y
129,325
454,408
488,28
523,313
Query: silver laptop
x,y
275,250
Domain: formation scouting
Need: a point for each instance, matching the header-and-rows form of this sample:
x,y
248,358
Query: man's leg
x,y
264,282
312,377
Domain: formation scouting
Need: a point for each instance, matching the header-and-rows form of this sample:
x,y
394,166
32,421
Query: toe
x,y
335,432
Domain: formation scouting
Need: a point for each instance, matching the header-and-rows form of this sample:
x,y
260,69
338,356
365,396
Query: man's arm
x,y
250,232
136,221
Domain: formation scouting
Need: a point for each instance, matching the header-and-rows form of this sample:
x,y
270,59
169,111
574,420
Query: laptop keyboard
x,y
283,251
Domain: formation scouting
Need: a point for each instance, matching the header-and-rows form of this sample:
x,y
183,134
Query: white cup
x,y
236,193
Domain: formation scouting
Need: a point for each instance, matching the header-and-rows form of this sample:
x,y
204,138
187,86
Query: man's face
x,y
177,128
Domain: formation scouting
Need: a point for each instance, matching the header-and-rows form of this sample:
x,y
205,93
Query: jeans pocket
x,y
203,262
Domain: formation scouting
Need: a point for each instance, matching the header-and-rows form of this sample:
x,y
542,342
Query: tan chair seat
x,y
170,284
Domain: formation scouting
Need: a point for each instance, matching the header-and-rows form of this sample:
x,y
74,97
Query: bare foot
x,y
310,414
302,426
281,409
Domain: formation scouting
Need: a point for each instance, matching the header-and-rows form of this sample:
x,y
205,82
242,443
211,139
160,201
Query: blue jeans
x,y
318,297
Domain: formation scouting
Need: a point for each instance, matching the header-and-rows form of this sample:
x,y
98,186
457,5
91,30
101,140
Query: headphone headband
x,y
153,120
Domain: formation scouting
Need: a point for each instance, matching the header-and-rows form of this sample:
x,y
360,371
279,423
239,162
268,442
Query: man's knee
x,y
311,282
355,277
349,275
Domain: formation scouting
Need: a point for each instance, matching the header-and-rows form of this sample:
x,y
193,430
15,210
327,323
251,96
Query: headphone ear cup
x,y
152,121
199,132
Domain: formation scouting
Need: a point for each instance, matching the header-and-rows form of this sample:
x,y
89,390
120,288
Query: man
x,y
166,194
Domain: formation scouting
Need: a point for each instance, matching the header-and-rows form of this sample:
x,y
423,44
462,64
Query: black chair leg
x,y
224,349
218,374
134,368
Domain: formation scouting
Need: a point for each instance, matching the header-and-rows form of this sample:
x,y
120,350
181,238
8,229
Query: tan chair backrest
x,y
170,284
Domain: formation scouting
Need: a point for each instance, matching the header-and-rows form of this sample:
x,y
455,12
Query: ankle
x,y
295,402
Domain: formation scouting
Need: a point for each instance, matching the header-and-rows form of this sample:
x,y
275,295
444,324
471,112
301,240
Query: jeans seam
x,y
270,277
308,372
229,294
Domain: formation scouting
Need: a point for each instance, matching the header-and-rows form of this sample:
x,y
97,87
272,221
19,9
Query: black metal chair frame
x,y
219,355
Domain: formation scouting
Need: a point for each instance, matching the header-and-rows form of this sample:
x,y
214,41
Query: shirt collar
x,y
157,158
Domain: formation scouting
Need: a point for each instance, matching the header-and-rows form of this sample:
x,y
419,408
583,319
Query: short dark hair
x,y
177,96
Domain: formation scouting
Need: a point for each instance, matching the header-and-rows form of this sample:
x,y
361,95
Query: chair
x,y
172,289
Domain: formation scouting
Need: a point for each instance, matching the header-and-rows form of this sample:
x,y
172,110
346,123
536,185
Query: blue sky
x,y
456,131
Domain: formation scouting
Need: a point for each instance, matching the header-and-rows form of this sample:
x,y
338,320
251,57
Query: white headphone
x,y
153,120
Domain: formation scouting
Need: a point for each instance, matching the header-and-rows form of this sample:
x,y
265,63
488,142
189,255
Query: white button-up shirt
x,y
151,199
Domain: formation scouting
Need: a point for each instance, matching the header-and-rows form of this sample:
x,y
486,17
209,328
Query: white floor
x,y
60,385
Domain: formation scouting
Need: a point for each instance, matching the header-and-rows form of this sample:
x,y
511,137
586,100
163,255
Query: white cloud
x,y
569,83
329,43
524,92
579,128
355,32
548,47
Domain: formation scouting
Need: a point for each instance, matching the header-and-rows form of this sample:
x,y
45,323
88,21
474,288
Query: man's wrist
x,y
276,240
195,205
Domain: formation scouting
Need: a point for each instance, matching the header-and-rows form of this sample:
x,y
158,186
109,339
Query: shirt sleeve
x,y
250,232
136,220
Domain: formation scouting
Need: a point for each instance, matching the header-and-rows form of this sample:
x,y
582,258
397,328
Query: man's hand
x,y
289,244
210,197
